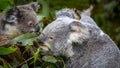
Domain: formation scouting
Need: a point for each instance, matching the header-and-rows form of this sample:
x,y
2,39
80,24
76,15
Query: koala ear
x,y
76,26
11,15
88,11
35,6
12,11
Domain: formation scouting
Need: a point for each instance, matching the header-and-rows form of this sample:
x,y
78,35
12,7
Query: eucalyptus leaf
x,y
6,51
14,63
50,59
25,39
49,65
36,55
25,66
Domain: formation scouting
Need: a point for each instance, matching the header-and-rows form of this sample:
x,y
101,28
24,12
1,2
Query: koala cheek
x,y
12,31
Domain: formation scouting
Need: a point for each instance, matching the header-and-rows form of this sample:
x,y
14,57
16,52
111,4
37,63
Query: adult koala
x,y
82,42
19,19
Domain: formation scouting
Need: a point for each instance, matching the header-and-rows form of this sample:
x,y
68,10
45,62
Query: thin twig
x,y
25,61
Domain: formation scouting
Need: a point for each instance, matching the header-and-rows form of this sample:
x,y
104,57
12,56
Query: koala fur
x,y
81,42
19,19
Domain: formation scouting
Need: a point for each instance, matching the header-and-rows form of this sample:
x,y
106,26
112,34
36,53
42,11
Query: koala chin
x,y
19,19
80,41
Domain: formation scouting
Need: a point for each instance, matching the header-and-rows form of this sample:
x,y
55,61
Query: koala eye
x,y
30,23
12,18
51,37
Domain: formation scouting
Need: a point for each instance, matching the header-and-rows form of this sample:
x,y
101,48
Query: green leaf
x,y
50,59
36,55
60,59
25,39
25,66
48,65
6,51
15,63
28,42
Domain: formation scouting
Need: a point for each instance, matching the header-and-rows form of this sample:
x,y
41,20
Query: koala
x,y
19,19
81,42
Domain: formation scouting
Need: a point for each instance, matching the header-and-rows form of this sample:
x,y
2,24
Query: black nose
x,y
37,28
41,38
38,39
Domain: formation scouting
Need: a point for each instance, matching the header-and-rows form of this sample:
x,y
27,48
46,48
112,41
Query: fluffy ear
x,y
35,6
87,11
11,15
12,11
79,32
76,26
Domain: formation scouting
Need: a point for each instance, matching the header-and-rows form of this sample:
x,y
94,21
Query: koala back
x,y
95,52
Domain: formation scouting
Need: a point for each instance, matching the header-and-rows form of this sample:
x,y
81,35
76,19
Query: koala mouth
x,y
44,47
45,50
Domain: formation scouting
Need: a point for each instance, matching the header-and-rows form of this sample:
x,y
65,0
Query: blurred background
x,y
106,13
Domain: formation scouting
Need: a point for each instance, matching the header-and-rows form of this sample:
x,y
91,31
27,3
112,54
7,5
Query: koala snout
x,y
40,39
37,28
43,46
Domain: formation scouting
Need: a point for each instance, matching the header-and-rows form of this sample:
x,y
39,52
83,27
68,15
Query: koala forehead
x,y
28,16
58,25
25,9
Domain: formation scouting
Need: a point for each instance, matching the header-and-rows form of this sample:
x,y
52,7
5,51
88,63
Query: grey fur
x,y
66,12
82,42
19,19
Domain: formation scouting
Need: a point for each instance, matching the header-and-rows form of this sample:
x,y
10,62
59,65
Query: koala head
x,y
61,33
66,30
21,19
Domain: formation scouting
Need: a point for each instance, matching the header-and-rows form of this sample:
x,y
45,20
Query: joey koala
x,y
81,42
19,19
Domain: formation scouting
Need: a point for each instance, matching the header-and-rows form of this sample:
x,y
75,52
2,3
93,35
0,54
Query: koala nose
x,y
40,39
37,28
